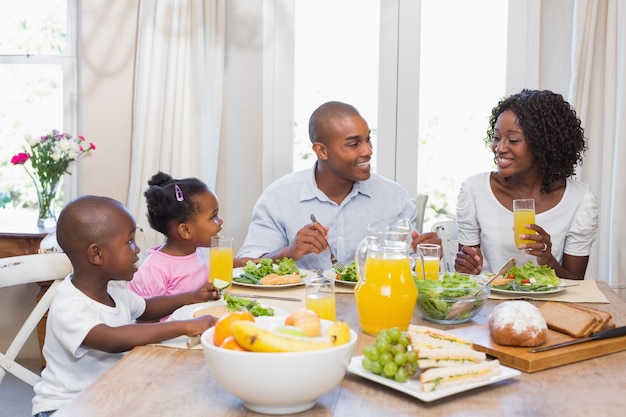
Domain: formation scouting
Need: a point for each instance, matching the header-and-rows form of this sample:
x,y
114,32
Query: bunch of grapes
x,y
390,355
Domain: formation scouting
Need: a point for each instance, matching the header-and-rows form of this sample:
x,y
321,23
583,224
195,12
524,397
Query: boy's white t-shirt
x,y
71,367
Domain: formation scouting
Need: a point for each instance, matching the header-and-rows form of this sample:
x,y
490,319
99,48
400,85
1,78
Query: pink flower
x,y
20,158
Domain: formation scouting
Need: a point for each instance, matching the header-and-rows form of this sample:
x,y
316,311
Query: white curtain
x,y
598,92
179,71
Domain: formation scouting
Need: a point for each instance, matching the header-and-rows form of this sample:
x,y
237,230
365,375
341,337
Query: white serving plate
x,y
186,312
414,388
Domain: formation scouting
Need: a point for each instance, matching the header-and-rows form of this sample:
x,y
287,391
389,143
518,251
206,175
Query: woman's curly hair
x,y
170,201
552,130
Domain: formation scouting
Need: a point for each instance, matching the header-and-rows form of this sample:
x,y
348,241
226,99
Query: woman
x,y
537,141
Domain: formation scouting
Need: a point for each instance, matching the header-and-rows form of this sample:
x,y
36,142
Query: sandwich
x,y
438,348
431,358
423,337
438,378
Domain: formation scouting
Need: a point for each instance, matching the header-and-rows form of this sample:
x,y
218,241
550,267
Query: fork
x,y
338,266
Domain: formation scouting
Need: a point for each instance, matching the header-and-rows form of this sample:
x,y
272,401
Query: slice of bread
x,y
602,317
567,319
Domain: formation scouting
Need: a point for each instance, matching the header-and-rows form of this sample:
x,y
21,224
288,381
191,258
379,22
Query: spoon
x,y
466,302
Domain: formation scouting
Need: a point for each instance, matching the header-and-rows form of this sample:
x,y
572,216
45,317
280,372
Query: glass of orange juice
x,y
432,259
523,213
221,258
320,297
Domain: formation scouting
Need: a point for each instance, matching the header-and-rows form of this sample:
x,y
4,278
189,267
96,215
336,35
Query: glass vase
x,y
46,194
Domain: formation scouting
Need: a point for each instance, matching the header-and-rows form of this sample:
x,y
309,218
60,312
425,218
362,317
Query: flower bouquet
x,y
50,157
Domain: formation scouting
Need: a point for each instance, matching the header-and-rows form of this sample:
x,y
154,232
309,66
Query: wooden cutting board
x,y
520,358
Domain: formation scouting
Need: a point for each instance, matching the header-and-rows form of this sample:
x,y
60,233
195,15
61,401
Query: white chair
x,y
449,234
26,269
420,203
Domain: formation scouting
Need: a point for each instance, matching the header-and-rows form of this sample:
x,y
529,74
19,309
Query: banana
x,y
256,339
338,333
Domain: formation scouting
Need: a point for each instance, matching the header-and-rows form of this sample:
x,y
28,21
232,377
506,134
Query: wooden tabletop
x,y
159,381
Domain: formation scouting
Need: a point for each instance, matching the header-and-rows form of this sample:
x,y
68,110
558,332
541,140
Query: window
x,y
38,84
461,76
336,59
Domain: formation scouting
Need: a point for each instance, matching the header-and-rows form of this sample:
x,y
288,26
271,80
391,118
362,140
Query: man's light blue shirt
x,y
287,204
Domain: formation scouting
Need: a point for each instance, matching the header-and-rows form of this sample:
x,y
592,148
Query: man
x,y
340,191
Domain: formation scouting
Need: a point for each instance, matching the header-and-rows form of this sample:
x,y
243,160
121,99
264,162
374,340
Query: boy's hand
x,y
198,325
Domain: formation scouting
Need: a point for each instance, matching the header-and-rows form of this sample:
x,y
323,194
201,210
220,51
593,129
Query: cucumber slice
x,y
220,284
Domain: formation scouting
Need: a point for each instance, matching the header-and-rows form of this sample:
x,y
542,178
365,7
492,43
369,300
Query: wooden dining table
x,y
162,381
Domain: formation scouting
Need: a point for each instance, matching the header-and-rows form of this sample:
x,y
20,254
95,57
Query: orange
x,y
231,343
222,327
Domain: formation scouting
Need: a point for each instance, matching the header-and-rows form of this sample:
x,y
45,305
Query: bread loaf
x,y
517,323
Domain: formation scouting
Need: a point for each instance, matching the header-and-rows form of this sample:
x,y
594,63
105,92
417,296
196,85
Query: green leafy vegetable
x,y
531,277
436,297
349,274
235,303
252,273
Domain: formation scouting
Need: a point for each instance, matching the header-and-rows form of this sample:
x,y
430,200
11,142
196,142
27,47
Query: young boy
x,y
91,322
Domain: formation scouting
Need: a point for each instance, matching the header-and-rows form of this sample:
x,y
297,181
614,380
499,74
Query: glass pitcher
x,y
386,293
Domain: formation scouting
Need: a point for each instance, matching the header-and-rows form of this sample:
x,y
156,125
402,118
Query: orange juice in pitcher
x,y
386,293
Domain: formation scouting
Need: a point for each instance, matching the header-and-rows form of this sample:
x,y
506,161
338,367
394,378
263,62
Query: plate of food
x,y
413,386
223,306
347,277
530,278
268,274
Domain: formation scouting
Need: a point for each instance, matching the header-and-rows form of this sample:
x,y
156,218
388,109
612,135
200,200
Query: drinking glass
x,y
523,213
320,297
221,258
432,258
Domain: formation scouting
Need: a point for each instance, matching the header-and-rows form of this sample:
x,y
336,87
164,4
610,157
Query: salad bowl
x,y
436,298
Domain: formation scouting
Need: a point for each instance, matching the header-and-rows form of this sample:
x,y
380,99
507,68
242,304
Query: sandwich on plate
x,y
446,359
423,337
438,378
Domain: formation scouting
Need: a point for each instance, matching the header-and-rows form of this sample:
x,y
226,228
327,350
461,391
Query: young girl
x,y
186,212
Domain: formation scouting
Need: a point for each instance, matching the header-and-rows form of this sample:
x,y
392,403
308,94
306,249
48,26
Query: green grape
x,y
383,346
395,349
402,375
390,369
390,355
385,357
370,352
376,367
366,363
400,358
404,340
394,334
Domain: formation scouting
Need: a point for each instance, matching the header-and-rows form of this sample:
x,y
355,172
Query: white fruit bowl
x,y
278,383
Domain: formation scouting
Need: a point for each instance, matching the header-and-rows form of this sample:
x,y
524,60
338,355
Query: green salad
x,y
348,274
237,303
530,277
436,297
251,273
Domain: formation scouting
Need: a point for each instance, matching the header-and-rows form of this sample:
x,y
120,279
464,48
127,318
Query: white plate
x,y
332,274
533,293
414,388
187,312
304,274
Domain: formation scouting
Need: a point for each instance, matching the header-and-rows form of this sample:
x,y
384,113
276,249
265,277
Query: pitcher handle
x,y
360,256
